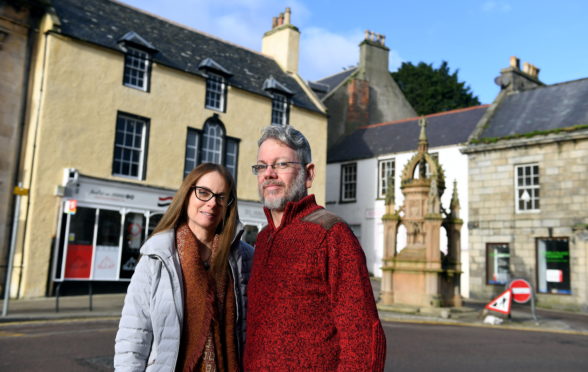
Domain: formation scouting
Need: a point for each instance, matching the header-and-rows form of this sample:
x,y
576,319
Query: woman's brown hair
x,y
177,213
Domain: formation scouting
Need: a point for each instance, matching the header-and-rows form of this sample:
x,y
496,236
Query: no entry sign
x,y
521,291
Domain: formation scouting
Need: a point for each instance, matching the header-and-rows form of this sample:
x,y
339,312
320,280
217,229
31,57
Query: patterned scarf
x,y
208,335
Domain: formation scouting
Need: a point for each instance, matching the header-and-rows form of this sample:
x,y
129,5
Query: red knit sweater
x,y
311,305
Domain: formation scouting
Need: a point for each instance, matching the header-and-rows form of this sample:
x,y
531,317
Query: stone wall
x,y
563,212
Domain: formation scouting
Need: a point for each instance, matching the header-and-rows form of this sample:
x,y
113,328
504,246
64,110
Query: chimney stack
x,y
513,79
373,53
282,42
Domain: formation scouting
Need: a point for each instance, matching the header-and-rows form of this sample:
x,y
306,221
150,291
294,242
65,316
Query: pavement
x,y
472,313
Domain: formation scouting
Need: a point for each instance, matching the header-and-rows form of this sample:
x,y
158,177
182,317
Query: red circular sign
x,y
521,291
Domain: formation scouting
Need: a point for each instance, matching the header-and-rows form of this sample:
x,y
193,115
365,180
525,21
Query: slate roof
x,y
443,129
105,22
324,86
540,109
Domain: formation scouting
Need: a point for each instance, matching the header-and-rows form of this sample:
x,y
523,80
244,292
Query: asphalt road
x,y
431,347
88,346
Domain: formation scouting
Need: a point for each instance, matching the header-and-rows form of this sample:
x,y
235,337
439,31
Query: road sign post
x,y
522,292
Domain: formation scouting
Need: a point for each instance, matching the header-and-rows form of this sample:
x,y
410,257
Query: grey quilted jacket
x,y
148,337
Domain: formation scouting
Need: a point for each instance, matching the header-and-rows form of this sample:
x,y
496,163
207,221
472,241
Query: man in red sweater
x,y
311,305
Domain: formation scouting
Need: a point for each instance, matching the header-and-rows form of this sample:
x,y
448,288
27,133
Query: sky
x,y
475,37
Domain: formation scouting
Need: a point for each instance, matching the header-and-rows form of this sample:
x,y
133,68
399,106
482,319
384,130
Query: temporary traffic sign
x,y
501,303
521,291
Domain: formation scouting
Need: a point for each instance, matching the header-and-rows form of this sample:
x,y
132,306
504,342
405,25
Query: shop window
x,y
497,263
553,265
348,182
130,146
133,236
216,89
137,69
107,245
385,170
527,187
80,244
153,221
211,145
101,244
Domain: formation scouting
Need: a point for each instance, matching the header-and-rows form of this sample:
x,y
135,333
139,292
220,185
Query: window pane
x,y
215,92
497,263
553,266
280,108
348,186
134,229
191,151
527,188
212,143
129,146
136,68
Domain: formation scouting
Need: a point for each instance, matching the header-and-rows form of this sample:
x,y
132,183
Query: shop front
x,y
104,223
102,227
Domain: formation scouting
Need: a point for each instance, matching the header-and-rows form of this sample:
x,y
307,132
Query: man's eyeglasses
x,y
278,167
204,194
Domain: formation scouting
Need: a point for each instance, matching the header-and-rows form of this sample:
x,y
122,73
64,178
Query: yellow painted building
x,y
123,105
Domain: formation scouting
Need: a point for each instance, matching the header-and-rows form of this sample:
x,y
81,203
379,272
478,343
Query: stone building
x,y
528,198
18,35
123,104
362,95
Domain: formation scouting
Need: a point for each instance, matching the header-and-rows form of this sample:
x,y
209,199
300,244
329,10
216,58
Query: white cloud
x,y
324,53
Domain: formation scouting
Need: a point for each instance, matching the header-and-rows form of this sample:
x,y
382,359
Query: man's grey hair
x,y
291,137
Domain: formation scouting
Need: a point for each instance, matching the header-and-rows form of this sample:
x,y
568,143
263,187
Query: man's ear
x,y
309,175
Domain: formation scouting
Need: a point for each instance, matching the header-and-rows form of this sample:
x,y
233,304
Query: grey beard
x,y
296,192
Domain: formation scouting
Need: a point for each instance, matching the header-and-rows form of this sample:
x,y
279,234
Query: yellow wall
x,y
77,110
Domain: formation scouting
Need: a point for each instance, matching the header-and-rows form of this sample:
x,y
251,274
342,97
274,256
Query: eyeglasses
x,y
278,167
204,194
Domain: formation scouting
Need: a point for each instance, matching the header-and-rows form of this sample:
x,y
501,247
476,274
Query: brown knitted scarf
x,y
209,311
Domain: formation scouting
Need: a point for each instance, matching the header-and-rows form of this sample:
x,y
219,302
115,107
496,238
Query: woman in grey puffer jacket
x,y
186,304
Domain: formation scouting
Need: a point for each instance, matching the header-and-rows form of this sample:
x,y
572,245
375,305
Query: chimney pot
x,y
527,68
515,62
274,22
287,16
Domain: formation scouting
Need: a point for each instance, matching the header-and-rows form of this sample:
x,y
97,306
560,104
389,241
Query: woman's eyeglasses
x,y
204,194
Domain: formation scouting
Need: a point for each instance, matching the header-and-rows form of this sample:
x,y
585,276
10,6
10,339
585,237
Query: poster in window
x,y
78,261
133,237
553,265
498,262
105,263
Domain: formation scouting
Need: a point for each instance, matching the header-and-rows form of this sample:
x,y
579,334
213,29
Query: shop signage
x,y
122,195
71,206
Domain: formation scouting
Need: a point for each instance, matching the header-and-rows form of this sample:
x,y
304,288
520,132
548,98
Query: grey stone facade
x,y
563,165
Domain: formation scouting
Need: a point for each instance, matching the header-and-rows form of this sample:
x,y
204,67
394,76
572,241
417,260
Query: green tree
x,y
430,90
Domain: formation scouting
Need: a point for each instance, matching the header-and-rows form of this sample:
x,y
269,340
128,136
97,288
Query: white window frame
x,y
231,156
212,144
384,165
215,92
527,188
280,109
137,69
348,182
123,124
192,143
